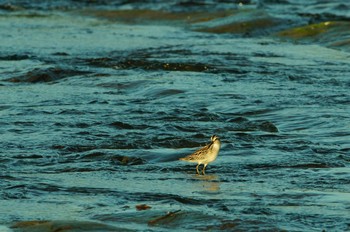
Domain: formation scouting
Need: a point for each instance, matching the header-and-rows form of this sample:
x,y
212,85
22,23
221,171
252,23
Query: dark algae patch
x,y
333,34
149,65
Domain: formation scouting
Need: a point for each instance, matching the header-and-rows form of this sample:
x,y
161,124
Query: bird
x,y
205,155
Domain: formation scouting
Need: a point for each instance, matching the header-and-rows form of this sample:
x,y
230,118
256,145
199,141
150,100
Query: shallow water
x,y
98,103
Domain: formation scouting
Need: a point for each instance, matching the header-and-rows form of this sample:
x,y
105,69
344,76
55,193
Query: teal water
x,y
95,111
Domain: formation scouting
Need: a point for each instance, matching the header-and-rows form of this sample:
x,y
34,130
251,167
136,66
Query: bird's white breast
x,y
214,151
216,147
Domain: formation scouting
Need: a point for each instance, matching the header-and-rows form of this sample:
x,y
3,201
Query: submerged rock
x,y
46,75
126,160
15,57
244,124
122,125
63,226
142,207
268,127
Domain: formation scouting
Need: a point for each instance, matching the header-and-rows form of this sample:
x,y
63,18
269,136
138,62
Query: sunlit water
x,y
95,113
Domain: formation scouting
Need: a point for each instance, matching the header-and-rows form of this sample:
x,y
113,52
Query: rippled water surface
x,y
98,102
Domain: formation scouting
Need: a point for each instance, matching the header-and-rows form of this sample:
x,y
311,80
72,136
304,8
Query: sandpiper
x,y
205,155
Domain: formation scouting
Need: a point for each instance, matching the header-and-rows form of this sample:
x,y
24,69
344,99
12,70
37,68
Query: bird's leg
x,y
197,168
205,165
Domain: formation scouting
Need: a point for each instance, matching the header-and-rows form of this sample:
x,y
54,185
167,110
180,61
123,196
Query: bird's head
x,y
214,138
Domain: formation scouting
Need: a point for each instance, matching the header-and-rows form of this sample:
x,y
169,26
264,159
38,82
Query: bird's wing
x,y
199,153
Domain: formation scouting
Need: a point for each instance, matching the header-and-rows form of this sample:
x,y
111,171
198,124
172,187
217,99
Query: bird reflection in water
x,y
208,183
